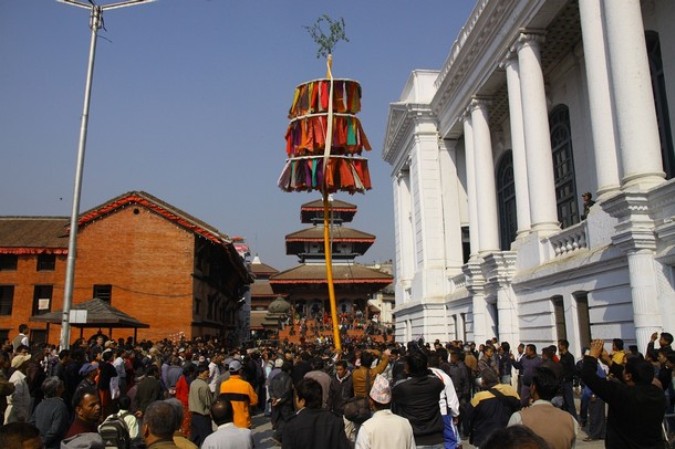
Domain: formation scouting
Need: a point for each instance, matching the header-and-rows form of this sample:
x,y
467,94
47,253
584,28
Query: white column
x,y
404,234
543,212
600,101
633,97
452,228
518,145
471,186
479,309
642,274
488,223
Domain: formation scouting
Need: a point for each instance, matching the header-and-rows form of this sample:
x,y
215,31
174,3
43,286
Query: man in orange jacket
x,y
241,394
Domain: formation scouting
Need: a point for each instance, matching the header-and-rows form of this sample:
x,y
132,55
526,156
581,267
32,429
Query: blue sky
x,y
190,101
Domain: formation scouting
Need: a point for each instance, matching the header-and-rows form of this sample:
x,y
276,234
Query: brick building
x,y
144,256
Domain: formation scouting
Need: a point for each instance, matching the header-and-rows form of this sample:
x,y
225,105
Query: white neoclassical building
x,y
538,102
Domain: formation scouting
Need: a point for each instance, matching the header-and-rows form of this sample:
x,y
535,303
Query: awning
x,y
99,314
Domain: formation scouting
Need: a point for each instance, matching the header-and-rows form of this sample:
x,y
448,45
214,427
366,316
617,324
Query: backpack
x,y
115,432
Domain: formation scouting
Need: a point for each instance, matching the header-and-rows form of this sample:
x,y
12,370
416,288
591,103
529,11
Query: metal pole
x,y
94,24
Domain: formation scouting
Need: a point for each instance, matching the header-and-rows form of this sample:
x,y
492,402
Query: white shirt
x,y
448,399
228,436
385,430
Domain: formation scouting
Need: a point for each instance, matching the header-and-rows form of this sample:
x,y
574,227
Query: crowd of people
x,y
203,394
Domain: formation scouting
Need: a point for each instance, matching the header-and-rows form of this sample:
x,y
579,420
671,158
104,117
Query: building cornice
x,y
401,124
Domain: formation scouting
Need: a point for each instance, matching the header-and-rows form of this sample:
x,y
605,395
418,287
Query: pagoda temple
x,y
305,285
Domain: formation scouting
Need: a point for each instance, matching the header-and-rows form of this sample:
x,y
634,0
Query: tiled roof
x,y
158,206
342,274
99,313
339,234
337,205
27,235
262,268
261,288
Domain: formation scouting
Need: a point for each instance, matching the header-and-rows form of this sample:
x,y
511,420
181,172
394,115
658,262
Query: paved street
x,y
262,432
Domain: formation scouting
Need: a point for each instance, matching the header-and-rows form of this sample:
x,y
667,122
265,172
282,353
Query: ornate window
x,y
506,196
563,166
661,102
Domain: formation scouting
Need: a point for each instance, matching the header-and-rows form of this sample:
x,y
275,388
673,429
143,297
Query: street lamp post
x,y
95,23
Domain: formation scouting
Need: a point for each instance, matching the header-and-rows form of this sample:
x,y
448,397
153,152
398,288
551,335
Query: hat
x,y
235,365
381,391
86,369
109,343
19,360
278,363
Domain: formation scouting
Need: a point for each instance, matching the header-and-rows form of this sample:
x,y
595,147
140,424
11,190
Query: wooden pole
x,y
326,215
329,271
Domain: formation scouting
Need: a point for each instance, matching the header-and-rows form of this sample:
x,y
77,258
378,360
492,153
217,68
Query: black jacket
x,y
491,413
416,399
635,412
339,393
314,428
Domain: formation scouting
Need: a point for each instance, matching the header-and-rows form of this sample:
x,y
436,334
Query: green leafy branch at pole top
x,y
325,42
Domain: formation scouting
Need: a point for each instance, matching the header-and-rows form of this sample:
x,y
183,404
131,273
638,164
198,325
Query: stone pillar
x,y
634,109
646,311
599,97
452,228
476,287
471,186
635,236
511,66
499,268
484,169
543,212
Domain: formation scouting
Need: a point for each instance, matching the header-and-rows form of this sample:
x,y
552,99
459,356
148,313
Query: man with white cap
x,y
384,430
18,403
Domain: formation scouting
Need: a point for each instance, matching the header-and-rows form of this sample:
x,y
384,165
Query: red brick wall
x,y
149,262
24,279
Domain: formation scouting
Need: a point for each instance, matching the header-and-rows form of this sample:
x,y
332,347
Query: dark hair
x,y
50,386
107,356
161,419
13,435
546,383
310,390
548,351
23,328
152,370
202,368
317,363
342,363
221,410
64,353
506,347
80,393
618,343
124,402
532,348
667,336
417,364
514,437
641,371
434,360
564,343
367,359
